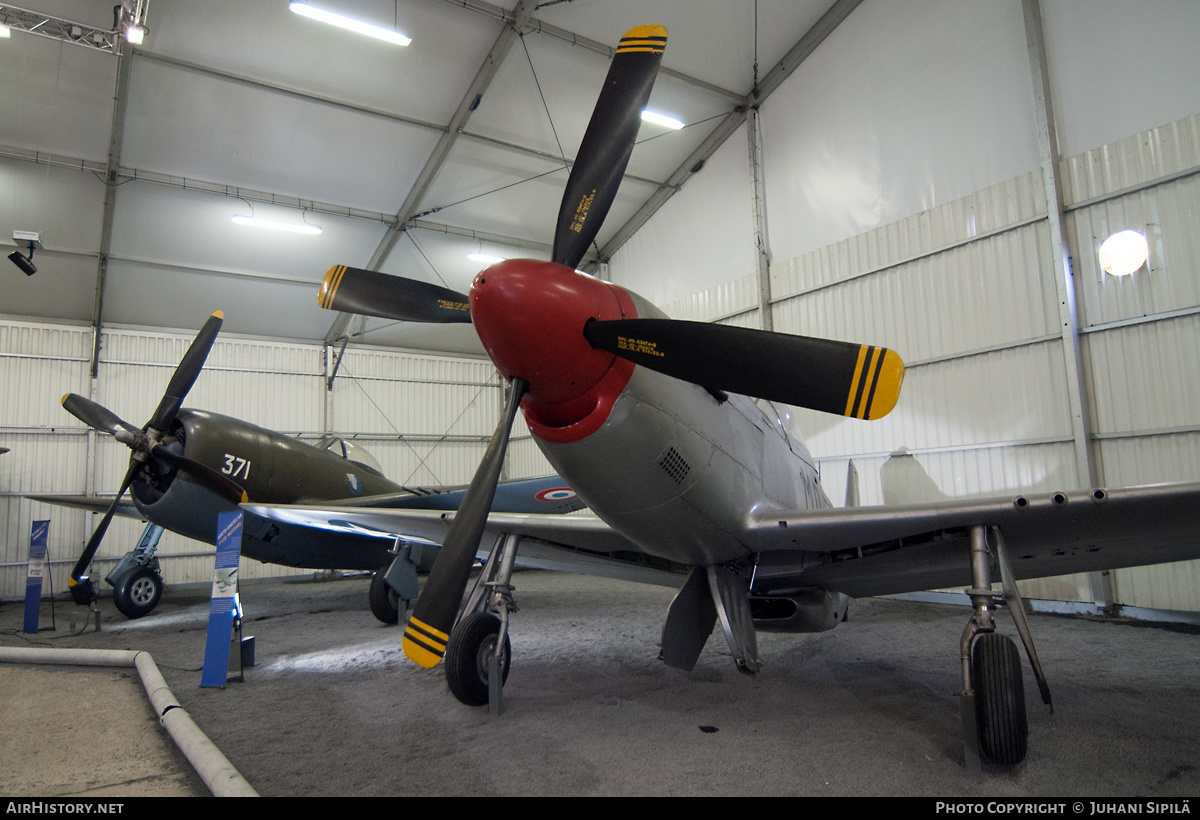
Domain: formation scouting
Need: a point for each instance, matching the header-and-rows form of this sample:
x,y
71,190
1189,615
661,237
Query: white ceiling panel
x,y
192,125
56,97
264,41
231,106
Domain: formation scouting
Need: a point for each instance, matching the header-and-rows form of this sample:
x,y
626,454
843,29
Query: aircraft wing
x,y
92,503
580,542
866,551
535,495
861,551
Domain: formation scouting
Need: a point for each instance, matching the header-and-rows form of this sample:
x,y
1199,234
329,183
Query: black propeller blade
x,y
860,381
99,417
355,290
81,587
429,626
186,373
608,142
145,444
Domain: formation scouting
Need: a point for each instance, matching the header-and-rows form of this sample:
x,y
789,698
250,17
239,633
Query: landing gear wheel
x,y
385,603
137,592
468,655
999,699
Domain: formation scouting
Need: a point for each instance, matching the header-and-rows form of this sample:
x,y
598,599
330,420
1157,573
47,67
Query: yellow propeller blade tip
x,y
642,32
329,286
64,398
219,315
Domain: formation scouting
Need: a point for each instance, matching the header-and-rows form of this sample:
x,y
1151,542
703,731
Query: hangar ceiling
x,y
408,158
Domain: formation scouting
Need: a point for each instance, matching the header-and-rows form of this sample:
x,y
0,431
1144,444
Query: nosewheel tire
x,y
468,655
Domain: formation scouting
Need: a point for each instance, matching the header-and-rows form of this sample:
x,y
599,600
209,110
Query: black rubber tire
x,y
467,653
138,592
999,699
385,603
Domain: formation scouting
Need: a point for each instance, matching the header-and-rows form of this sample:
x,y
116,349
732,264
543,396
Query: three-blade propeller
x,y
859,381
145,445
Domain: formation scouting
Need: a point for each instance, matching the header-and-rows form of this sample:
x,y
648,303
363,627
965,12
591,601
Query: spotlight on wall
x,y
1123,253
25,263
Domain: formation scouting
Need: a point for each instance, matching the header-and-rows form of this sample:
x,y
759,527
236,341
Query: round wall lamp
x,y
1123,253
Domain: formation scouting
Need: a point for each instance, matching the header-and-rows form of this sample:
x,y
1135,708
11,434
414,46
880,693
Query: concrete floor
x,y
333,708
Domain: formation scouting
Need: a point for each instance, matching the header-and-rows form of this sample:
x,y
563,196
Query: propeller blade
x,y
859,381
370,293
205,476
608,142
186,373
98,417
81,589
429,626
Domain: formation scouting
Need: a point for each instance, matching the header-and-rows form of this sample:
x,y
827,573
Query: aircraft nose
x,y
530,315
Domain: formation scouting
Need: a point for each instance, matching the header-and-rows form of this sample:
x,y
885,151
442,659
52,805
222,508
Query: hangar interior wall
x,y
427,420
905,206
965,293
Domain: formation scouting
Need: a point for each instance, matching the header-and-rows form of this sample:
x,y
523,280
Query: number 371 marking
x,y
235,467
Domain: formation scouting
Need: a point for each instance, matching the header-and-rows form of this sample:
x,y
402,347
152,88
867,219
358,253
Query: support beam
x,y
775,77
1086,474
433,165
1064,280
111,180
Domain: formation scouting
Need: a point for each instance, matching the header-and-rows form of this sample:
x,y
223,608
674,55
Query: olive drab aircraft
x,y
670,432
189,465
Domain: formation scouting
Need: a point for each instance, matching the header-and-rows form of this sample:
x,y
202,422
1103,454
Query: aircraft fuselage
x,y
269,466
675,468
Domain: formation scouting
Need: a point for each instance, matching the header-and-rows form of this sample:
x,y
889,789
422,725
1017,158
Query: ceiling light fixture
x,y
294,227
661,119
5,31
349,23
1123,253
484,258
135,34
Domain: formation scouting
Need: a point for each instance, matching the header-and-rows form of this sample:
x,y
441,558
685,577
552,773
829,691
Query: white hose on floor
x,y
218,774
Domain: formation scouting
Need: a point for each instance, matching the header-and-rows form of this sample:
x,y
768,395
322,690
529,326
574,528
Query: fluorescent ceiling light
x,y
349,23
294,227
135,34
661,119
484,258
5,31
1123,253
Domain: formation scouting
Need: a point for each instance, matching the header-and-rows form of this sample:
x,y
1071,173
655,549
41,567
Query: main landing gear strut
x,y
478,653
995,728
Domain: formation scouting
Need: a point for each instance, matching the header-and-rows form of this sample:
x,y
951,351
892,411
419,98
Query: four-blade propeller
x,y
859,381
593,184
145,446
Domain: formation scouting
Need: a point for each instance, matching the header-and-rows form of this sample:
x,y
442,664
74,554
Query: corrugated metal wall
x,y
427,419
966,294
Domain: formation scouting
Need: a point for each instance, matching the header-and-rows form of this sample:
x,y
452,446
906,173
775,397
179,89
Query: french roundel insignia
x,y
556,494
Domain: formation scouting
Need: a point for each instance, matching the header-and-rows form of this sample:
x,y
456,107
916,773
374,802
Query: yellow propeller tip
x,y
329,286
64,398
641,32
219,314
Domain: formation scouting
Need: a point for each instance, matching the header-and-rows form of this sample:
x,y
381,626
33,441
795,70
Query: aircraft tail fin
x,y
905,481
852,485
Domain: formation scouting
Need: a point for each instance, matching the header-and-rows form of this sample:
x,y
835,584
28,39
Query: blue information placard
x,y
223,604
38,538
